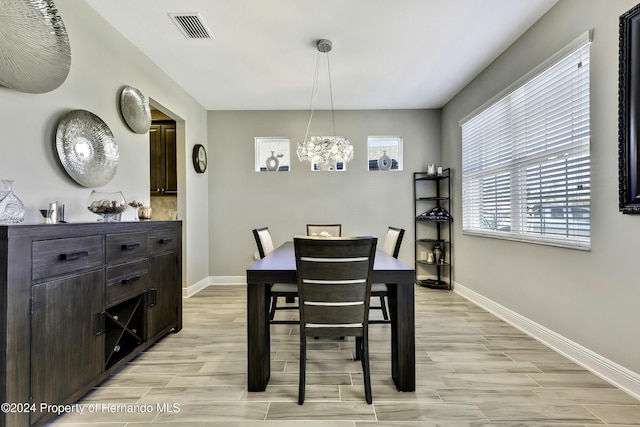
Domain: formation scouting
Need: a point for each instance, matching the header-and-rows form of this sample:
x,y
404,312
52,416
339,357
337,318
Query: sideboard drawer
x,y
125,247
60,256
161,241
126,281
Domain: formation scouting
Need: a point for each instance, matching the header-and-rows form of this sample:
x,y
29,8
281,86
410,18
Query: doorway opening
x,y
163,180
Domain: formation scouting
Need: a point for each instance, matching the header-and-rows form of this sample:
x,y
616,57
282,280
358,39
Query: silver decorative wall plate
x,y
35,55
135,109
86,148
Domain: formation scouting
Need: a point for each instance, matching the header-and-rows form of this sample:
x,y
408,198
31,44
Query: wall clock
x,y
199,158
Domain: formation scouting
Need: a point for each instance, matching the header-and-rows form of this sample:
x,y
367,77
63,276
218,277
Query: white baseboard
x,y
606,369
228,280
191,290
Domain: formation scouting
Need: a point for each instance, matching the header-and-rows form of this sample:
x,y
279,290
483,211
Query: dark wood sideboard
x,y
77,302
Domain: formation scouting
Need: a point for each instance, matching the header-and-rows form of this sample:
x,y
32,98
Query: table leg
x,y
403,336
258,339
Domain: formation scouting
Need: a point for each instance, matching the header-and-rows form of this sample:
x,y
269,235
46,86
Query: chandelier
x,y
324,151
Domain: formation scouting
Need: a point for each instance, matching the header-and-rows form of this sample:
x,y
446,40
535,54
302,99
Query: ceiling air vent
x,y
191,25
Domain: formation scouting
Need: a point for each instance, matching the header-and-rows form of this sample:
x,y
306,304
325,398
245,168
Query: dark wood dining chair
x,y
391,245
334,288
333,230
289,291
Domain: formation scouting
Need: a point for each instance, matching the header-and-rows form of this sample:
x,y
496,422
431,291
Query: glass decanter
x,y
11,207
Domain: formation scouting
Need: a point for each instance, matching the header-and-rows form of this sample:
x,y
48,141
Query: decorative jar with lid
x,y
11,207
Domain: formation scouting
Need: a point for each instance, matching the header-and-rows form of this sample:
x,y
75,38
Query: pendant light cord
x,y
333,116
314,95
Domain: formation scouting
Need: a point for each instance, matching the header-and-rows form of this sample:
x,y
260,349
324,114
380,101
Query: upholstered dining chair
x,y
334,289
276,290
391,245
333,230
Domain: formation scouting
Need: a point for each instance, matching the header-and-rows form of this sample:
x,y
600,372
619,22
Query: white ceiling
x,y
387,54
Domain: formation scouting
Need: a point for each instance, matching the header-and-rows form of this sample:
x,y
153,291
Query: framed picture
x,y
629,112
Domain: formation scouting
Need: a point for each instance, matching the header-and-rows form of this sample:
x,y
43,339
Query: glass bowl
x,y
108,204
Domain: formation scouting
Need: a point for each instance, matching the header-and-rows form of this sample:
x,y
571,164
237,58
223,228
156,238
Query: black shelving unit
x,y
429,192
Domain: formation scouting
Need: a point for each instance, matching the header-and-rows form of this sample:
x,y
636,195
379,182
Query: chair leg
x,y
272,311
383,306
358,348
366,370
303,366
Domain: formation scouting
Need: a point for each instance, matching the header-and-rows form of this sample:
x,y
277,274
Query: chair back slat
x,y
334,316
327,292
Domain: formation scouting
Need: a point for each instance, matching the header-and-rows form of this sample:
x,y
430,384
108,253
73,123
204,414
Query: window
x,y
526,160
272,154
384,153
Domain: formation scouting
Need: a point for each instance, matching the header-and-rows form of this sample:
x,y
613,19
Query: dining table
x,y
280,267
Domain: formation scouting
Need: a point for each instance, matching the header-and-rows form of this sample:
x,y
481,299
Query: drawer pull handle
x,y
130,280
153,297
130,246
99,324
74,255
165,241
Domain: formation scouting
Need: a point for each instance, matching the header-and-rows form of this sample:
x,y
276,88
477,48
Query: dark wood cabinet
x,y
162,305
66,345
164,267
79,301
162,147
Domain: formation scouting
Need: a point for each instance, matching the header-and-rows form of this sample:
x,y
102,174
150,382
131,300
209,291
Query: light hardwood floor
x,y
472,370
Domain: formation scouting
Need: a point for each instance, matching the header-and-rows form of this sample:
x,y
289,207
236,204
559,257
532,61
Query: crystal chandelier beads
x,y
319,149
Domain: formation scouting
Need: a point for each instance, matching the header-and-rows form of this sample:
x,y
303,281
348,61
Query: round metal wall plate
x,y
135,109
35,55
86,148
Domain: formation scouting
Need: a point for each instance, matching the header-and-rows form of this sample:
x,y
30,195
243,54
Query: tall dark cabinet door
x,y
156,160
165,292
66,351
171,181
162,158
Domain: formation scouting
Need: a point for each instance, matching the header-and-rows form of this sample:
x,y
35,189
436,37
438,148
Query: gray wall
x,y
591,298
363,202
102,62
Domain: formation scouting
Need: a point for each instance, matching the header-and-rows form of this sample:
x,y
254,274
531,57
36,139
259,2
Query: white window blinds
x,y
525,156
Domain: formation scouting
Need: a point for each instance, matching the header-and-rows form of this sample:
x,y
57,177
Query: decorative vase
x,y
144,212
135,205
438,254
272,162
108,204
384,162
11,207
